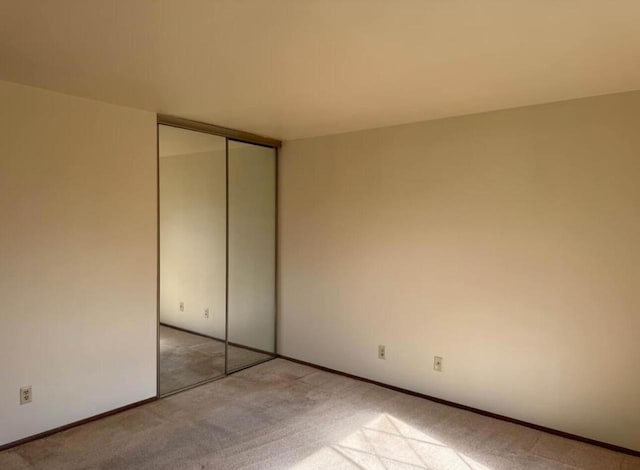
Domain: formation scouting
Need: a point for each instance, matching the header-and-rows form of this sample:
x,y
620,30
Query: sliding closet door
x,y
192,191
251,254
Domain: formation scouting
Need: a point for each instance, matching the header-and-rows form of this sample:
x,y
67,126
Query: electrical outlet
x,y
25,395
382,353
206,312
182,306
437,363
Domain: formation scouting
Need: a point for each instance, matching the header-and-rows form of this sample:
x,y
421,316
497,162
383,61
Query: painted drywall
x,y
505,242
193,240
252,257
78,262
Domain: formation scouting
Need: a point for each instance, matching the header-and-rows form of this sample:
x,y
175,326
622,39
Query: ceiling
x,y
296,68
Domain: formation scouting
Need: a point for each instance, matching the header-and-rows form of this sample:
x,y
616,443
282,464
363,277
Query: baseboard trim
x,y
231,343
442,401
251,348
192,332
75,423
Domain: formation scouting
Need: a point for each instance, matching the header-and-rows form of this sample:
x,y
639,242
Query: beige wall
x,y
505,242
77,258
193,241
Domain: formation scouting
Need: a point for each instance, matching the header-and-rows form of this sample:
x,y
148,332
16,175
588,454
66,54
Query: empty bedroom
x,y
319,234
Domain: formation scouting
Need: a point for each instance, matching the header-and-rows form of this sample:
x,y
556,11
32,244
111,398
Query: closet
x,y
217,252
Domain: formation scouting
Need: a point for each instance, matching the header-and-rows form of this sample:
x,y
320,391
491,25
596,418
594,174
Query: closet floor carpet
x,y
280,414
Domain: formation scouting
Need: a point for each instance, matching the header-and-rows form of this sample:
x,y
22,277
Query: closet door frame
x,y
228,134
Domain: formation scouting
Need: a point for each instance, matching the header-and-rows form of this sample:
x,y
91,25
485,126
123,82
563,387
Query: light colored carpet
x,y
283,415
187,359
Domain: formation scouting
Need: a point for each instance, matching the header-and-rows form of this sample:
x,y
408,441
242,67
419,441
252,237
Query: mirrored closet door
x,y
252,254
217,231
192,188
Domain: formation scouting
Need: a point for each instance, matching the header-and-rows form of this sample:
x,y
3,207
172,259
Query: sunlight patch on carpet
x,y
388,442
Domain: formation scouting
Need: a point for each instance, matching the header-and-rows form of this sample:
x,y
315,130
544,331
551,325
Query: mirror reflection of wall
x,y
252,256
217,256
192,190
